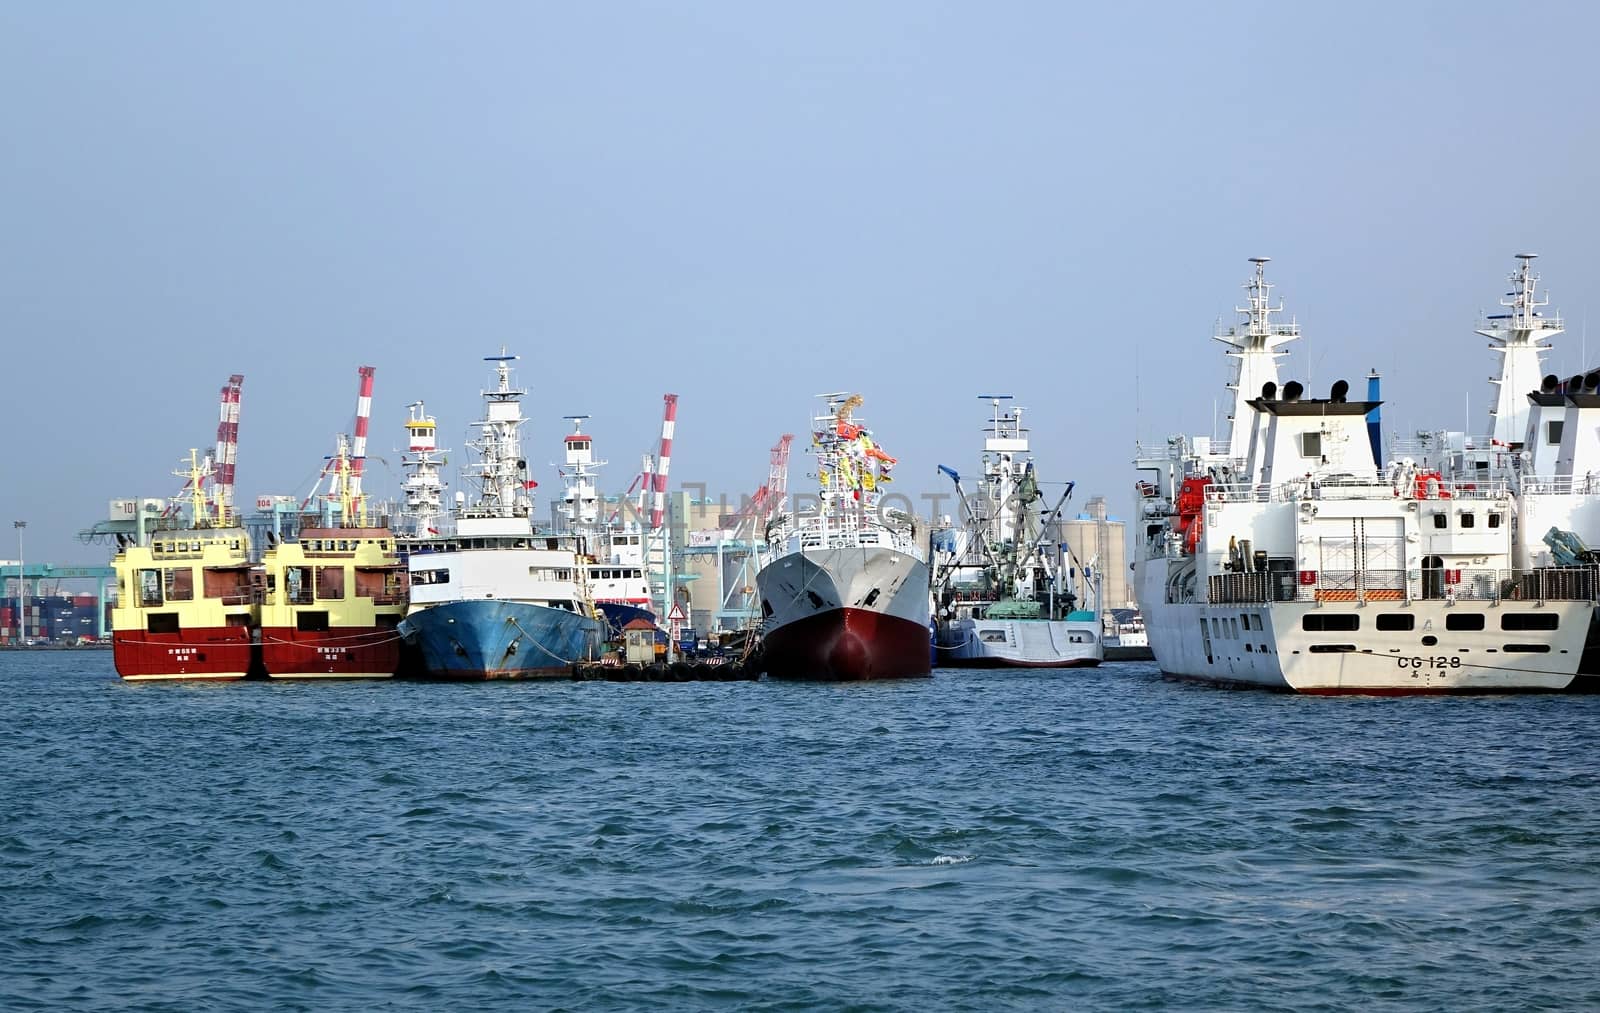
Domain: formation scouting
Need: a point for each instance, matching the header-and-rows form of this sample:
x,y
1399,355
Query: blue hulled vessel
x,y
496,599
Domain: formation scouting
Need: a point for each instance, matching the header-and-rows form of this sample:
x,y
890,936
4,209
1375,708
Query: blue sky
x,y
748,204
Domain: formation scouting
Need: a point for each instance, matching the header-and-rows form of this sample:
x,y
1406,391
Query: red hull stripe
x,y
848,643
212,652
367,650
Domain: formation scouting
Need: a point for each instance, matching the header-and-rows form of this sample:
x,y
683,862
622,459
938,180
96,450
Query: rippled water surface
x,y
1097,839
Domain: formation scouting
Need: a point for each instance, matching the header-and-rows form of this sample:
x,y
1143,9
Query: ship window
x,y
1392,621
180,584
1310,444
1464,621
1244,620
1552,431
1333,648
992,636
431,577
330,582
1529,621
150,588
297,585
1494,520
1313,622
1527,648
1439,520
1469,520
311,622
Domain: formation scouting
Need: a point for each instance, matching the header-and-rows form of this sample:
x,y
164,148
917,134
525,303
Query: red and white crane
x,y
227,452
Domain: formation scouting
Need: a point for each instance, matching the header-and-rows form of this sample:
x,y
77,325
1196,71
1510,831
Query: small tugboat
x,y
334,598
496,599
847,598
999,589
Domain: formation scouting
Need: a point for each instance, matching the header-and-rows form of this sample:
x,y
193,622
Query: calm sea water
x,y
1099,839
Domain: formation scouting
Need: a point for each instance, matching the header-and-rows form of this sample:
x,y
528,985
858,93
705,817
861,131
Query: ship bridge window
x,y
1314,622
1469,519
180,584
330,582
1310,444
1529,621
297,585
150,588
1464,621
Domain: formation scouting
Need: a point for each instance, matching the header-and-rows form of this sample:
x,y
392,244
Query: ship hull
x,y
360,652
1267,646
219,653
1020,643
496,639
845,613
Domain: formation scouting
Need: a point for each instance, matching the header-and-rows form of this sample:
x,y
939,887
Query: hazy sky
x,y
749,204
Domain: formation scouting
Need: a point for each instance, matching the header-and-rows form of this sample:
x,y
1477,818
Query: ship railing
x,y
1551,583
1560,485
1515,321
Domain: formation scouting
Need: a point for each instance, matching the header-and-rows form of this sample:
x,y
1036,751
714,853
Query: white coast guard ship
x,y
1543,439
847,596
1289,558
1000,593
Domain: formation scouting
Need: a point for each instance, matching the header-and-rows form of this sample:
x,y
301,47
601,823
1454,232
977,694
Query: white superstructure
x,y
423,514
494,552
614,546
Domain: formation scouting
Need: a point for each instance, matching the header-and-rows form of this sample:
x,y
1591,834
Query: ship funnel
x,y
1292,390
1550,385
1341,390
1269,390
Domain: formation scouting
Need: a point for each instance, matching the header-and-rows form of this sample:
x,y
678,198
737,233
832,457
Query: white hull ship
x,y
999,592
847,598
1289,559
